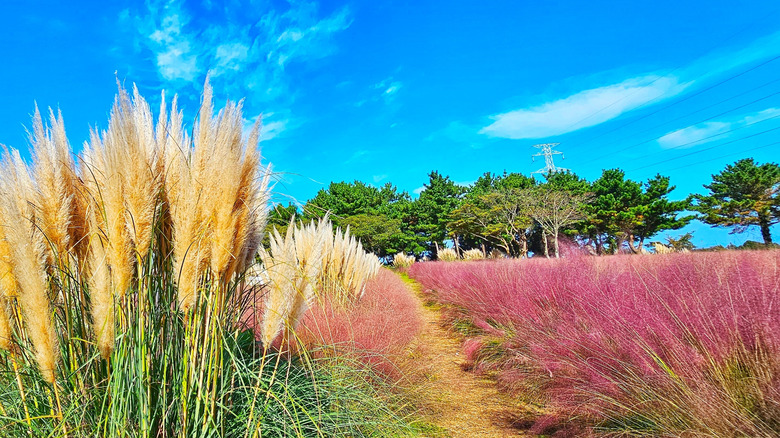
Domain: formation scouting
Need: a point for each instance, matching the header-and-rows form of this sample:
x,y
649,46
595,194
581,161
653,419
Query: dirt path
x,y
463,403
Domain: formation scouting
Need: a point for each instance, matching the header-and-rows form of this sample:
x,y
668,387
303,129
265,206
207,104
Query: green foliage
x,y
279,218
383,219
510,211
680,243
742,195
379,234
432,209
622,210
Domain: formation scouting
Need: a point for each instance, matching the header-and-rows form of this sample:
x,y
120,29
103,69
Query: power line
x,y
690,96
679,146
690,114
727,155
721,43
706,149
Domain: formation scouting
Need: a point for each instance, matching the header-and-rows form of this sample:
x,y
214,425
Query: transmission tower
x,y
548,152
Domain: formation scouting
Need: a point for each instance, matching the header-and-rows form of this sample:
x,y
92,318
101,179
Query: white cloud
x,y
269,128
760,116
688,137
272,129
246,52
418,190
173,47
713,131
594,106
388,87
582,109
378,178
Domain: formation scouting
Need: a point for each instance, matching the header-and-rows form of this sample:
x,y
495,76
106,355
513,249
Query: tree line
x,y
517,214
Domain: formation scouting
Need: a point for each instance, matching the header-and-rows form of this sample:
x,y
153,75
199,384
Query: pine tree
x,y
743,194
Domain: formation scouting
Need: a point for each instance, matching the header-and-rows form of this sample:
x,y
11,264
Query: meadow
x,y
652,345
143,293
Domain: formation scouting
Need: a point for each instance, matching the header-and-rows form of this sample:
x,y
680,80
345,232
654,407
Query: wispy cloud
x,y
597,105
583,109
246,50
388,88
694,134
172,47
713,131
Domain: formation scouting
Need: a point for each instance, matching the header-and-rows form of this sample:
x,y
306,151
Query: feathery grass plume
x,y
401,260
52,167
183,193
292,269
28,250
131,136
346,266
281,277
473,254
309,242
6,336
8,284
101,298
119,166
101,168
227,184
447,255
253,202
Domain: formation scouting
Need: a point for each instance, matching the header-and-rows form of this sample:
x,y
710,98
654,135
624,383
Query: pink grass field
x,y
673,345
376,331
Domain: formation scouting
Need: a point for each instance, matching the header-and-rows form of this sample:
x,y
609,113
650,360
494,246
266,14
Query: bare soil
x,y
462,403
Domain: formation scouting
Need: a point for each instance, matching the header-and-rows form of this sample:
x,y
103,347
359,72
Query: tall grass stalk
x,y
122,286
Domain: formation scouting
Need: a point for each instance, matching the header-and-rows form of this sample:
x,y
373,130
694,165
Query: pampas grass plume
x,y
28,250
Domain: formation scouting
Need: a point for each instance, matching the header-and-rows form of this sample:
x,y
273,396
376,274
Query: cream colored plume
x,y
121,168
101,298
473,254
401,260
28,252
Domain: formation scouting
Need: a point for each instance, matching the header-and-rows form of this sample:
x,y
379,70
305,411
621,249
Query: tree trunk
x,y
546,251
457,246
763,222
555,240
525,248
631,245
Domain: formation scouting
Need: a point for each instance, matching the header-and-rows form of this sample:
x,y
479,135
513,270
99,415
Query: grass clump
x,y
402,260
123,291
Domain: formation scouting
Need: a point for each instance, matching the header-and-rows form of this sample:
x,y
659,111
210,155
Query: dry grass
x,y
401,260
473,254
311,263
447,255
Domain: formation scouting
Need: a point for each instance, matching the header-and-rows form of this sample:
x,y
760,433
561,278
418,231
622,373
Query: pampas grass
x,y
123,285
447,255
473,254
401,260
28,249
90,256
311,263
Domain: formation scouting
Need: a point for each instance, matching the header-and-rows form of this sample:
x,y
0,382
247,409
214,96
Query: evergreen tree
x,y
742,195
440,196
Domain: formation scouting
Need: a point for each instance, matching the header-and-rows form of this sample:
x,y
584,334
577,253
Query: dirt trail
x,y
463,403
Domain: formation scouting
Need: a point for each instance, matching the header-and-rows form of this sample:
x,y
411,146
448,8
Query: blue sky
x,y
387,91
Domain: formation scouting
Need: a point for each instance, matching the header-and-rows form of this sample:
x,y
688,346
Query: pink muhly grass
x,y
376,330
682,343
